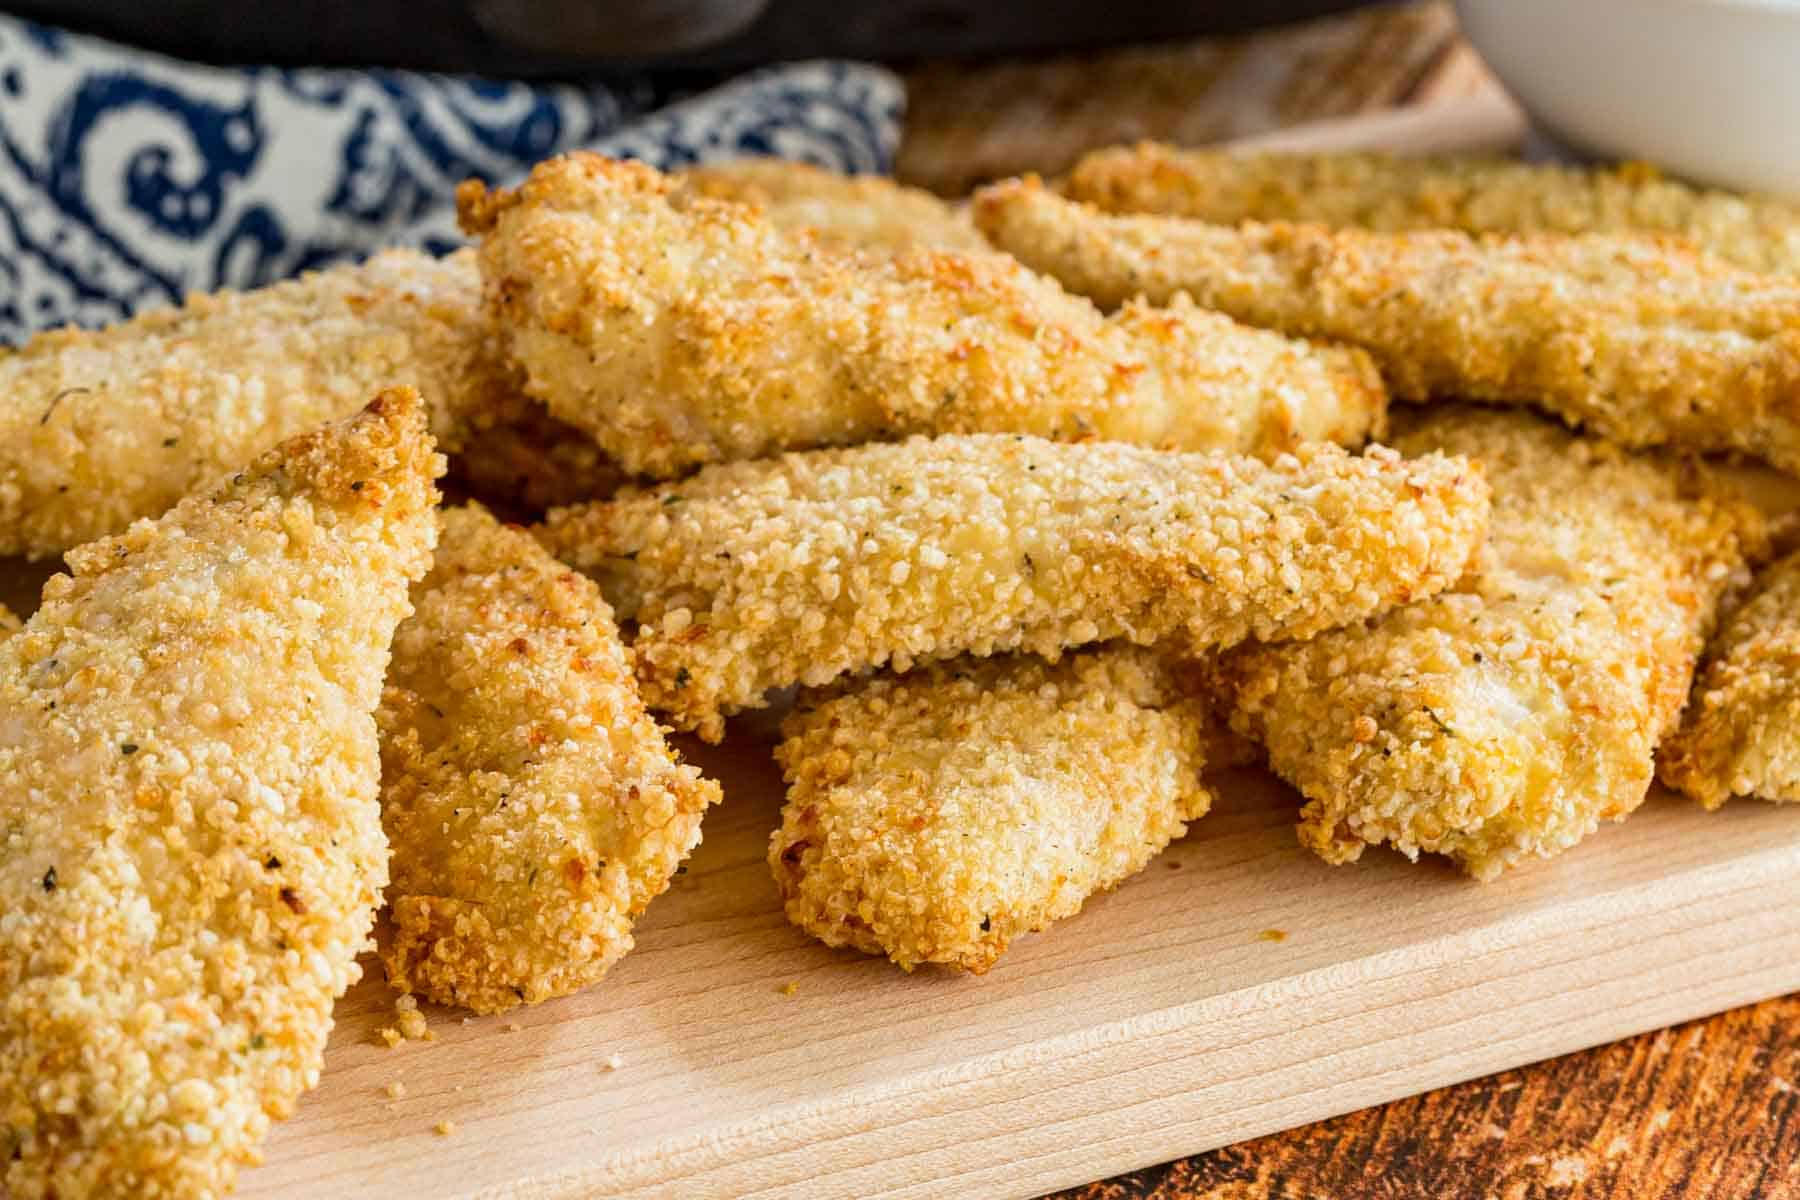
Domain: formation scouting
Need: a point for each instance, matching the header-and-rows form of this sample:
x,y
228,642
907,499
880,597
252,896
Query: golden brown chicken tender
x,y
681,330
1505,718
532,804
1476,195
935,816
815,565
9,624
867,211
1635,339
1741,734
100,428
189,788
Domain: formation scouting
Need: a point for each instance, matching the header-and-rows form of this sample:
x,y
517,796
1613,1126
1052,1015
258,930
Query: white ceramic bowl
x,y
1709,89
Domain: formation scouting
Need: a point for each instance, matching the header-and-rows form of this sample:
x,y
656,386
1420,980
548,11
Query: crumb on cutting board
x,y
395,1090
790,988
614,1062
1272,935
444,1128
410,1020
409,1024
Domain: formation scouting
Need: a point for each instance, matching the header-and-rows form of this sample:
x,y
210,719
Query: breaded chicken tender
x,y
100,428
1632,338
867,211
821,564
9,624
532,804
935,816
1741,734
681,330
1505,718
1476,195
189,783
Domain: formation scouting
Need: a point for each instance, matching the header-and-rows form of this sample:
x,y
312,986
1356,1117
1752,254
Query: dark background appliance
x,y
570,37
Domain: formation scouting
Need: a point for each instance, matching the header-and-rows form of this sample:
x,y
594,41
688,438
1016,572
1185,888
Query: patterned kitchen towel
x,y
128,179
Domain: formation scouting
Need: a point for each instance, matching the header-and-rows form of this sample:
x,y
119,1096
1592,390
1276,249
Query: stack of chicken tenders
x,y
1031,512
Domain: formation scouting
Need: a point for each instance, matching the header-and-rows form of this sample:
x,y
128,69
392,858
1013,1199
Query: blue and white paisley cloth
x,y
129,179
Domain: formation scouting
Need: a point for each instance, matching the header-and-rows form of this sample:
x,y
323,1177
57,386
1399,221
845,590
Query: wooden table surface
x,y
1707,1109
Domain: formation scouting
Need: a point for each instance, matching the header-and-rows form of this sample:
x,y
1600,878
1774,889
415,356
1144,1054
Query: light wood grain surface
x,y
1159,1023
1707,1109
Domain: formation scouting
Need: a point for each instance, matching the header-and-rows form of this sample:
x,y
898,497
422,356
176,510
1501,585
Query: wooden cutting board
x,y
1237,987
1166,1019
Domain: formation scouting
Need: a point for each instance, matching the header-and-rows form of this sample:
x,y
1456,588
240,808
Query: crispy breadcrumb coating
x,y
819,564
681,330
190,837
9,624
1507,717
867,211
1741,734
1640,341
100,428
935,816
1476,195
532,804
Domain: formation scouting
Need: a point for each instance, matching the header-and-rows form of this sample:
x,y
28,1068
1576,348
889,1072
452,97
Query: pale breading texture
x,y
1401,194
532,804
681,330
1506,717
867,211
192,853
933,817
1639,340
827,562
1741,733
100,428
